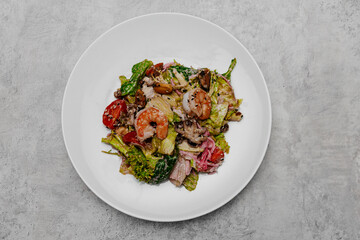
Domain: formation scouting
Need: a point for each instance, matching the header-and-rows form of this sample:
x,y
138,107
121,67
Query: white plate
x,y
161,38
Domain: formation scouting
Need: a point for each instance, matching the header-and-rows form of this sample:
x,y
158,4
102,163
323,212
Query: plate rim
x,y
226,200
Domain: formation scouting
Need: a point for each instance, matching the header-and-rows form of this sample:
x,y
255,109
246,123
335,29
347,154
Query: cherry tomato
x,y
113,111
131,137
217,155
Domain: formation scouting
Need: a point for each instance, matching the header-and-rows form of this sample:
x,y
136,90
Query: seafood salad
x,y
168,122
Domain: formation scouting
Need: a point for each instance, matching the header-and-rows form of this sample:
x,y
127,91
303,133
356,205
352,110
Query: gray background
x,y
306,188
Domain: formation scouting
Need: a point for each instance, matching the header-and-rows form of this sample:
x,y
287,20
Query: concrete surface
x,y
308,185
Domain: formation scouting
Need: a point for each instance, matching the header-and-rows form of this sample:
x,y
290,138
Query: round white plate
x,y
161,38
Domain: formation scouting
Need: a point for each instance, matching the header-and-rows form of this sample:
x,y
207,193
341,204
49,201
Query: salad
x,y
168,122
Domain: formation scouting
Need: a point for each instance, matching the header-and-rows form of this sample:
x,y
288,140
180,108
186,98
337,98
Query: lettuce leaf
x,y
191,180
168,144
217,114
222,96
225,92
219,90
138,72
221,142
193,164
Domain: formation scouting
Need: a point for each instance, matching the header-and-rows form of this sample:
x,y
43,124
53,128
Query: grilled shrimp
x,y
197,103
149,121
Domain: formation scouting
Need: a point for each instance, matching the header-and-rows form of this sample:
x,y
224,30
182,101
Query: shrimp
x,y
144,124
197,103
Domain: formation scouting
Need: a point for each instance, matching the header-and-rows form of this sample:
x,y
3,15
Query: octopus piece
x,y
191,130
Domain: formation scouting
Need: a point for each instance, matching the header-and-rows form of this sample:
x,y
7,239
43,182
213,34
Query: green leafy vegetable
x,y
116,141
222,97
166,75
227,75
152,160
217,114
164,167
210,128
123,79
134,158
186,71
221,142
191,180
168,144
155,142
149,152
219,90
138,71
137,161
193,164
226,92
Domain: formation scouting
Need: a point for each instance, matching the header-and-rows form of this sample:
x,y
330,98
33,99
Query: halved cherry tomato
x,y
154,70
113,111
217,155
131,137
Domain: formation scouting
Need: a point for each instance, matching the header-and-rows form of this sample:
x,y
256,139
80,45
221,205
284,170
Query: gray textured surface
x,y
308,186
